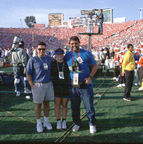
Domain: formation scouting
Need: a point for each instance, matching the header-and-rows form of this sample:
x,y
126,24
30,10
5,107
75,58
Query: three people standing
x,y
40,74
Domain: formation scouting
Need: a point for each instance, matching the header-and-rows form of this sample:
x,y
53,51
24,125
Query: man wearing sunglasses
x,y
39,77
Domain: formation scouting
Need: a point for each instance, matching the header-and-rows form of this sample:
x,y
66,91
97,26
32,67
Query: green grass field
x,y
117,120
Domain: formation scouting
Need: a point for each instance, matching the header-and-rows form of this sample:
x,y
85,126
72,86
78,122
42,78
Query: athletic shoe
x,y
140,89
27,91
123,85
117,79
64,125
18,93
75,128
127,99
120,85
39,127
47,125
92,129
135,84
59,125
114,78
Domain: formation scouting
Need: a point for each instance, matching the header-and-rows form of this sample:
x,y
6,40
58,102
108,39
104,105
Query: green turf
x,y
117,120
7,69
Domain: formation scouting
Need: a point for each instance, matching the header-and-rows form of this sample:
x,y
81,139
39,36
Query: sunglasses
x,y
41,49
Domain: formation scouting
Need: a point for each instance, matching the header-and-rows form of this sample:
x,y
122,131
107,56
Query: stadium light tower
x,y
140,13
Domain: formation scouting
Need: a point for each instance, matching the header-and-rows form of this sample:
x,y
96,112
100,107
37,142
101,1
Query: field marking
x,y
20,117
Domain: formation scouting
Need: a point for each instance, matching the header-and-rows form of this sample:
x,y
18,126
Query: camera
x,y
75,66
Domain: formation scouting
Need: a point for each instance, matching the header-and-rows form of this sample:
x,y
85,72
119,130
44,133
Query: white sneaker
x,y
47,125
64,125
123,85
140,89
39,127
135,84
120,85
117,79
92,129
75,128
27,91
59,126
18,93
127,99
114,78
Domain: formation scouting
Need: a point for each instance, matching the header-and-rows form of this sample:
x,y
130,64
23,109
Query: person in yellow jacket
x,y
128,67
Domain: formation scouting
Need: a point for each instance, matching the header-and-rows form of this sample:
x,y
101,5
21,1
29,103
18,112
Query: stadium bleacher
x,y
58,37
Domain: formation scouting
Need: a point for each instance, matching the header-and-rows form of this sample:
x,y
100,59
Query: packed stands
x,y
117,34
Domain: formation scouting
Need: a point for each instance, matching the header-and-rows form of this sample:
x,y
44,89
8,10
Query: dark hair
x,y
42,43
74,38
129,45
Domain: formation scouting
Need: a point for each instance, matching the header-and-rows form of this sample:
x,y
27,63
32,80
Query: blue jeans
x,y
86,94
19,77
100,30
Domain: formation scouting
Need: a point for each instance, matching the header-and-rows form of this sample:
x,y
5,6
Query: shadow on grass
x,y
16,127
121,137
129,105
107,131
24,127
121,97
113,123
6,101
138,114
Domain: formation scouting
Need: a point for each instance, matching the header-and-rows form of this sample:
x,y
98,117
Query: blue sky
x,y
13,12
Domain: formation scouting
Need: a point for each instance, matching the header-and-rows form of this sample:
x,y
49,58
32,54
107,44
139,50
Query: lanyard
x,y
77,56
59,67
42,60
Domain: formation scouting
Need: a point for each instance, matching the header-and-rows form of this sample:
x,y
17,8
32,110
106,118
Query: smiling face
x,y
59,57
41,50
74,45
